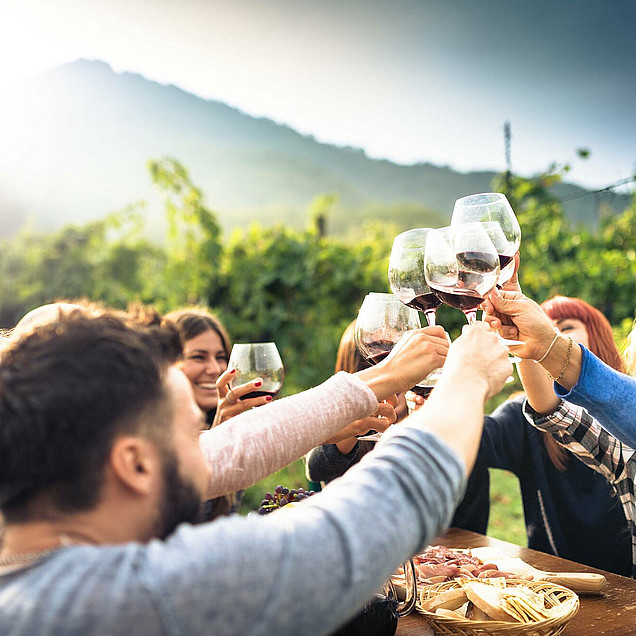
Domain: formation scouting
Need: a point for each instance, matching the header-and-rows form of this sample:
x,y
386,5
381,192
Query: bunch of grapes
x,y
282,497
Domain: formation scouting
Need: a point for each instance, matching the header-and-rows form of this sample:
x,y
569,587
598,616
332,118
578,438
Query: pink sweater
x,y
261,441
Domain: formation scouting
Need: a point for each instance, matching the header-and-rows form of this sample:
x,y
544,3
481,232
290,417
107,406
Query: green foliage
x,y
299,290
599,267
106,260
295,286
194,245
506,520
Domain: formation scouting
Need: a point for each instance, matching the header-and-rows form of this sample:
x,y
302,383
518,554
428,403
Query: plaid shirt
x,y
575,429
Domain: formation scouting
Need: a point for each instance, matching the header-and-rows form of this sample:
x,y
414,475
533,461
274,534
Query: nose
x,y
214,367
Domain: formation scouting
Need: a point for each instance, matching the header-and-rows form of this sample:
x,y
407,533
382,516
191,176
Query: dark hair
x,y
192,322
67,391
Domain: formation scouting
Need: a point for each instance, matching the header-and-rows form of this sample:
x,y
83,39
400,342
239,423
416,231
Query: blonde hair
x,y
629,352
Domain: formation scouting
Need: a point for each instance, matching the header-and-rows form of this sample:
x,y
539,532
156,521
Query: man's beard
x,y
181,503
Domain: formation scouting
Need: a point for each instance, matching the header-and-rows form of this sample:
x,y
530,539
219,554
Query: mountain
x,y
77,138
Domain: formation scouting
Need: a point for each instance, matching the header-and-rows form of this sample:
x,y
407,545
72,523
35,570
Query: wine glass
x,y
406,273
461,266
257,360
493,208
382,320
409,286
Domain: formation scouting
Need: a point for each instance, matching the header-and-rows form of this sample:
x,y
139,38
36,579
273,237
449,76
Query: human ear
x,y
135,463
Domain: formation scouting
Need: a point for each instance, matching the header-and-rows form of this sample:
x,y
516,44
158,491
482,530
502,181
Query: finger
x,y
223,381
414,397
510,332
436,331
243,389
387,412
493,321
250,403
515,275
380,424
393,400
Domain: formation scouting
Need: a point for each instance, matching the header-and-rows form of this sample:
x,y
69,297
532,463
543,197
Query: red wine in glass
x,y
255,394
462,300
424,302
504,260
377,350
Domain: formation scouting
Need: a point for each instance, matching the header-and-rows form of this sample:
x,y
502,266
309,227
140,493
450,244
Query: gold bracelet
x,y
567,361
545,355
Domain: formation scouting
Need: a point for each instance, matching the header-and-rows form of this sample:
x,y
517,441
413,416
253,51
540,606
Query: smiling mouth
x,y
206,386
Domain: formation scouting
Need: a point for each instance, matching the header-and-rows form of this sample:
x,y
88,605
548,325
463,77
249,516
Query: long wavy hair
x,y
601,344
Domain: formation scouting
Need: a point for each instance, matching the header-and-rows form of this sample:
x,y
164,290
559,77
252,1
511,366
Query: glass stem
x,y
471,316
430,317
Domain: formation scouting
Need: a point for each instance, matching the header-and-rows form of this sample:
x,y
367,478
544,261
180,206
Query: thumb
x,y
504,302
515,275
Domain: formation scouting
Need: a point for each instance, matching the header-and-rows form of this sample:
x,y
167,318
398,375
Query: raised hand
x,y
504,308
230,403
417,354
478,355
379,421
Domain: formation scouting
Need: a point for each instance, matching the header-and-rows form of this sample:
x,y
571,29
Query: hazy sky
x,y
428,80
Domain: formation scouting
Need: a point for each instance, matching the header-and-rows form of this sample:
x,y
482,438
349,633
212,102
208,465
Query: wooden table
x,y
611,613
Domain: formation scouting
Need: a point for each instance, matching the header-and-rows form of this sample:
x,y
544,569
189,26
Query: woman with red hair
x,y
570,509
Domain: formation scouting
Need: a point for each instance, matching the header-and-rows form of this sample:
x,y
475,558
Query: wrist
x,y
381,382
549,348
477,386
563,363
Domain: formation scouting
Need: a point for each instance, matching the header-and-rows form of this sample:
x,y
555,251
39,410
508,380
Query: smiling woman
x,y
206,351
204,360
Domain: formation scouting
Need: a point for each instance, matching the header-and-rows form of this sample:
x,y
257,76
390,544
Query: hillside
x,y
77,140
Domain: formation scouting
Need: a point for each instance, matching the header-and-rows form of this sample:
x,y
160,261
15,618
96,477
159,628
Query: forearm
x,y
259,442
337,547
608,395
457,419
564,361
578,432
538,387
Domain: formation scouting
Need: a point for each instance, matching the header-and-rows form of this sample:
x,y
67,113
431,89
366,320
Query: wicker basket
x,y
555,595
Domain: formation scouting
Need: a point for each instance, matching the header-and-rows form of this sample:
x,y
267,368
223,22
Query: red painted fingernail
x,y
269,398
233,371
257,383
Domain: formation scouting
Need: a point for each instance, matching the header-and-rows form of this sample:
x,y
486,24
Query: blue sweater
x,y
607,395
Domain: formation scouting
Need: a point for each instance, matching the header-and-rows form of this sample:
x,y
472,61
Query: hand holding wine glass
x,y
381,322
479,354
256,362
